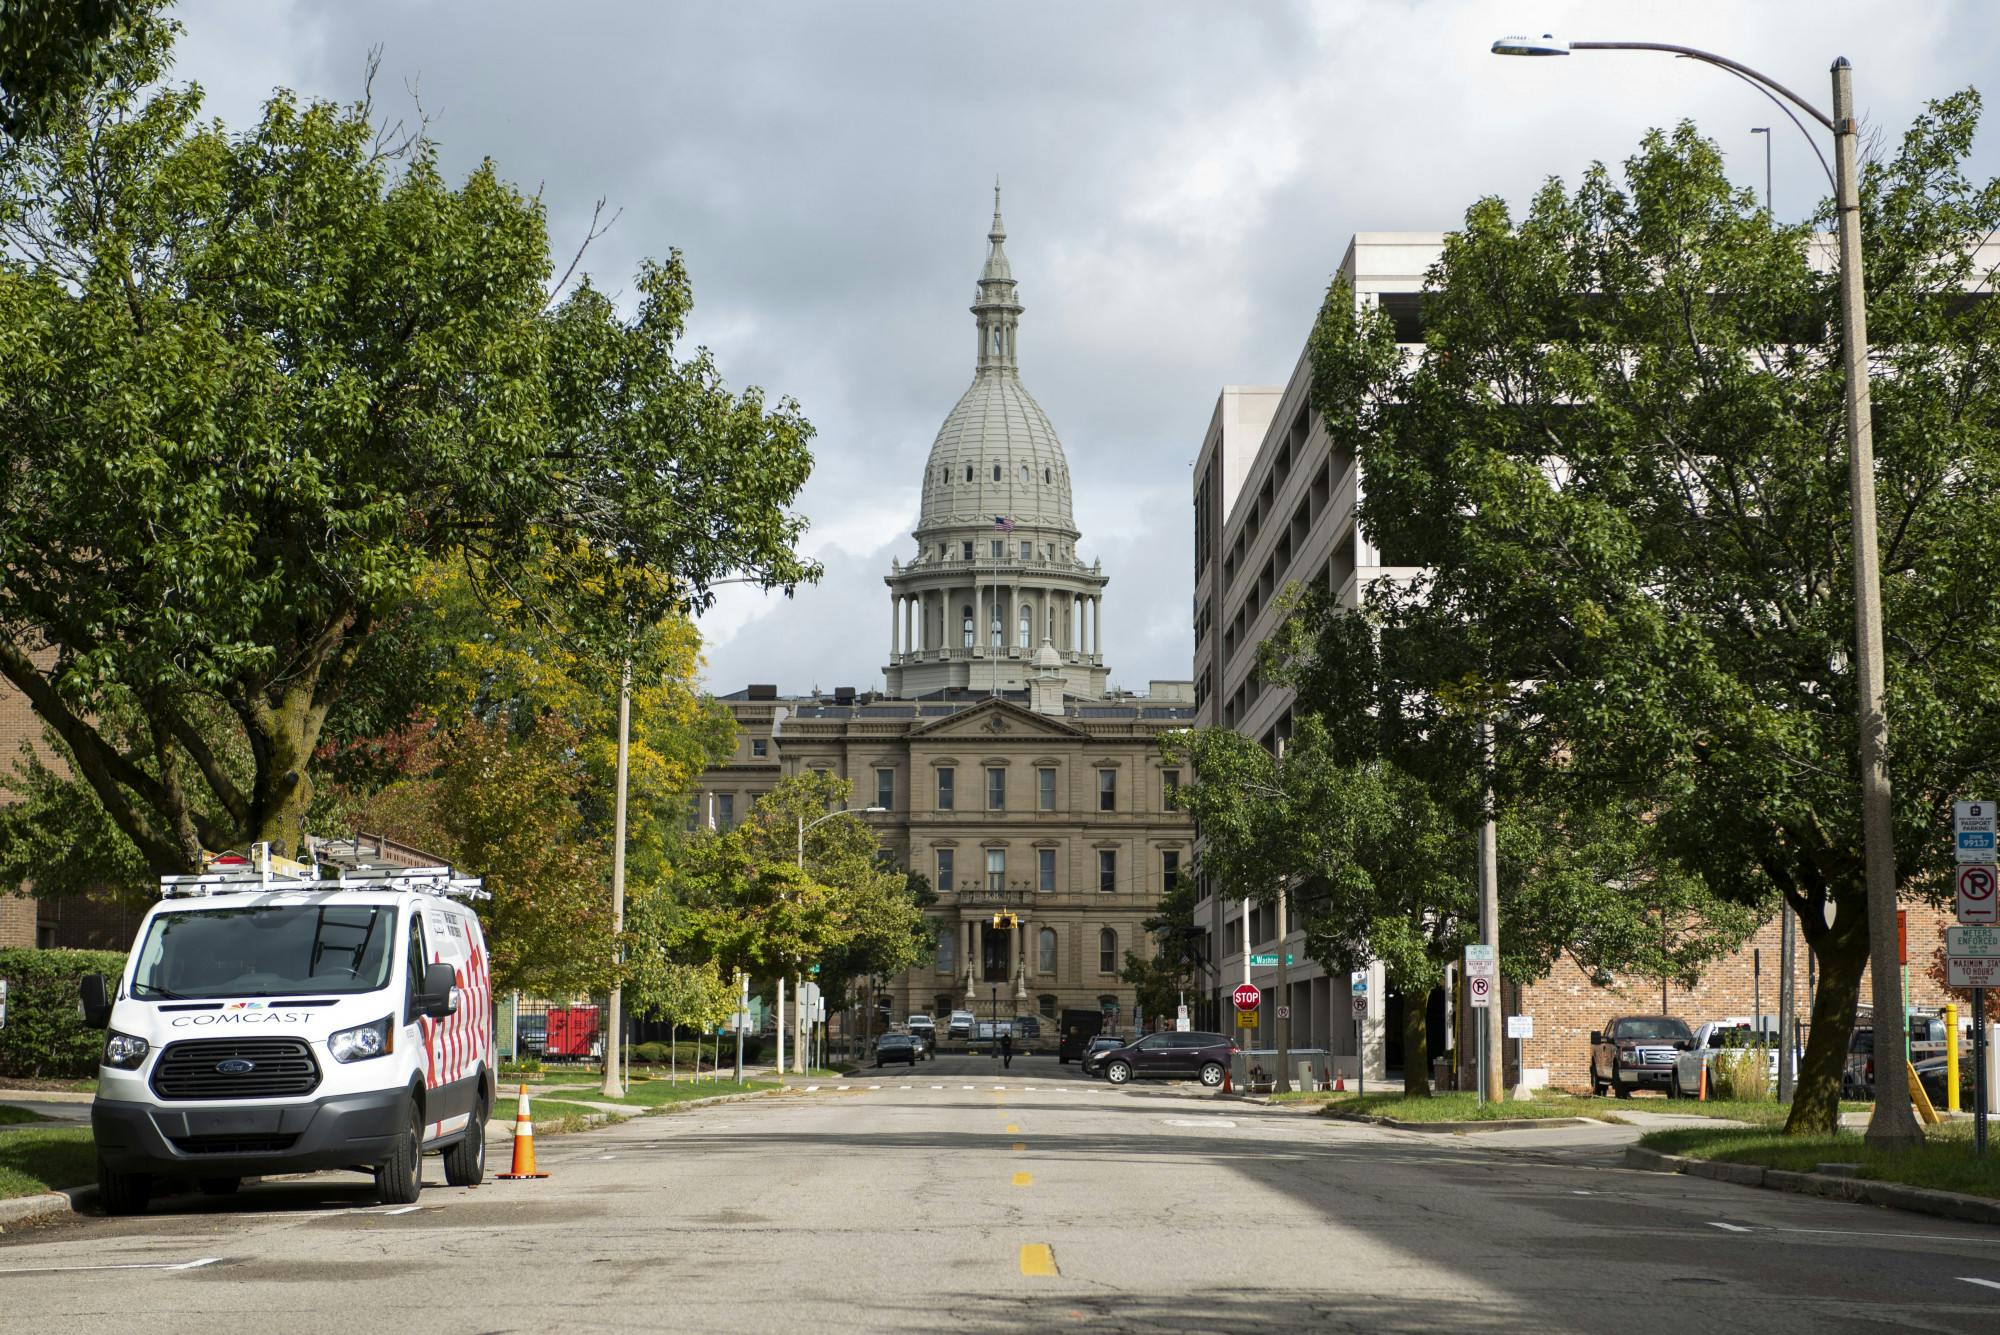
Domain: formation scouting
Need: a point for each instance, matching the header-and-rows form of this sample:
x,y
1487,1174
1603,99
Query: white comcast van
x,y
284,1020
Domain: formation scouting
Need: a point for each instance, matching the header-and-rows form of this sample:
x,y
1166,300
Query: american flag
x,y
1003,523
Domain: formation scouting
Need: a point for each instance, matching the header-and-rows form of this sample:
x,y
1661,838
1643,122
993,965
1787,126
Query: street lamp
x,y
798,992
1892,1123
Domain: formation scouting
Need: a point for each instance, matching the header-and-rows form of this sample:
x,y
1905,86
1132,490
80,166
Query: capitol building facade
x,y
1010,776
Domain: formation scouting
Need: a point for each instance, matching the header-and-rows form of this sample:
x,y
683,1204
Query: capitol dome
x,y
997,454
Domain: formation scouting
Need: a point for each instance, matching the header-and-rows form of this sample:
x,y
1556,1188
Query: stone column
x,y
892,627
1097,637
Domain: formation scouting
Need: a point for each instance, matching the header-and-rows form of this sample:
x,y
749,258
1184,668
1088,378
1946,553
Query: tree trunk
x,y
1842,954
1417,1044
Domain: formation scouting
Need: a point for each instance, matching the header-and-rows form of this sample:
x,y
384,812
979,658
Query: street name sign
x,y
1972,956
1247,996
1520,1026
1270,961
1978,905
1479,990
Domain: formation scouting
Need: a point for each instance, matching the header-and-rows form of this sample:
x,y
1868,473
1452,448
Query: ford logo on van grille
x,y
236,1066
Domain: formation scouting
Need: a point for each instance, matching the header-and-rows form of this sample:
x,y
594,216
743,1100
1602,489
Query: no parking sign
x,y
1978,905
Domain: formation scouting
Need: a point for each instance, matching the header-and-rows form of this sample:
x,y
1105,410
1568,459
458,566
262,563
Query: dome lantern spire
x,y
997,309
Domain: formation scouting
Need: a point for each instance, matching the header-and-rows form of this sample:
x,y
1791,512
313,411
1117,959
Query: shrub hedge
x,y
44,1037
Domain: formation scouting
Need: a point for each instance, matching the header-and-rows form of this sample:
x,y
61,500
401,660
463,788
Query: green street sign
x,y
813,971
1269,961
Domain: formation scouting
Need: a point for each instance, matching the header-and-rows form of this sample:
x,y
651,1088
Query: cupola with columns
x,y
996,574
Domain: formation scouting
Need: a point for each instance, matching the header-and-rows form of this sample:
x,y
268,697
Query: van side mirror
x,y
96,1001
438,998
1596,1037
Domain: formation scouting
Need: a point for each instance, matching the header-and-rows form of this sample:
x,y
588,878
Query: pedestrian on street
x,y
1007,1050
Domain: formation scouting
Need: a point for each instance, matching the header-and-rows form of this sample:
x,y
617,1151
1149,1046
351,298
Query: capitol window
x,y
1027,626
1024,474
966,554
1045,475
968,611
996,472
968,472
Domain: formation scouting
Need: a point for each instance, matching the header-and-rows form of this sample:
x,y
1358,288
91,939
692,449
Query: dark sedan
x,y
1189,1056
895,1048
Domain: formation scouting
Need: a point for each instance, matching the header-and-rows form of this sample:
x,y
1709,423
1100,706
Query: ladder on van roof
x,y
239,873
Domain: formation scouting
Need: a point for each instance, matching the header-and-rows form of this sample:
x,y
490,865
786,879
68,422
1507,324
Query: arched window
x,y
1027,627
968,472
969,641
996,472
1045,475
1024,475
947,947
1046,950
1048,1006
999,636
1107,951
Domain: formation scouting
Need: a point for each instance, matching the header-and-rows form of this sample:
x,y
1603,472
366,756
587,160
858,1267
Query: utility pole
x,y
1491,1059
1892,1123
742,1017
613,1087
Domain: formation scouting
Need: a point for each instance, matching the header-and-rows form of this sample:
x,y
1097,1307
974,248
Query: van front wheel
x,y
465,1162
123,1193
400,1177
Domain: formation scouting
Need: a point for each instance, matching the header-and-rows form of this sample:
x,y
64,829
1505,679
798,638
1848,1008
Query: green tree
x,y
506,806
1162,977
50,50
1621,452
253,387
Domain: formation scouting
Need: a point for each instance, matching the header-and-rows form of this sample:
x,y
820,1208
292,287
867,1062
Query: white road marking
x,y
1197,1121
1733,1228
937,1086
999,1086
905,1087
128,1265
843,1086
1988,1283
811,1088
965,1086
405,1209
874,1086
1575,1192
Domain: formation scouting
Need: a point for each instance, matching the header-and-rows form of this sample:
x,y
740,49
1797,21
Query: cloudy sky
x,y
1181,180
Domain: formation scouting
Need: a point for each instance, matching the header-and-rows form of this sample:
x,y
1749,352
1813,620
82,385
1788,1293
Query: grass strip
x,y
12,1116
1458,1107
658,1093
552,1116
1944,1162
35,1161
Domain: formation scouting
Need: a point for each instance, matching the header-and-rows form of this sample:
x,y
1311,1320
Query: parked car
x,y
922,1044
925,1026
1857,1075
896,1048
531,1034
960,1025
1932,1073
1198,1056
1712,1037
1100,1044
1636,1052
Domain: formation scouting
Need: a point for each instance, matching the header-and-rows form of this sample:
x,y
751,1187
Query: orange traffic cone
x,y
524,1143
1703,1095
1228,1085
1340,1082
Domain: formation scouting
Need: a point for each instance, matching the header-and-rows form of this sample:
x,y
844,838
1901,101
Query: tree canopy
x,y
256,387
1621,454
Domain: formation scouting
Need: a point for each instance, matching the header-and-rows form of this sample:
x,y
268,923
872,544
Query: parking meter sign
x,y
1978,904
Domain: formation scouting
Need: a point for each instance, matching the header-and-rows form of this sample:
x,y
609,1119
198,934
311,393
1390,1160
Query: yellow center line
x,y
1013,1130
1024,1179
1038,1259
1020,1145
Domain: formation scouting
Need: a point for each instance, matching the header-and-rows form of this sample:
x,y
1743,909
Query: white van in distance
x,y
275,1019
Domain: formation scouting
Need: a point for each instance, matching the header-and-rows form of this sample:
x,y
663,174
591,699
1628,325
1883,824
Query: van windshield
x,y
279,950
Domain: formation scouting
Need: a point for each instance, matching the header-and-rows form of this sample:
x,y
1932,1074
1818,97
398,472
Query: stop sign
x,y
1247,997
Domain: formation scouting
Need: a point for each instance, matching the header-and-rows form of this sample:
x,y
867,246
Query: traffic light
x,y
1001,920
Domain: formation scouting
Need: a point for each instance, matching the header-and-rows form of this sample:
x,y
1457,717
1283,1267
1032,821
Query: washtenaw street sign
x,y
1978,905
1479,990
1270,961
1247,996
1972,956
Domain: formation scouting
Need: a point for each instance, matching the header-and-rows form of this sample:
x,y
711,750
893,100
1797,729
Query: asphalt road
x,y
941,1201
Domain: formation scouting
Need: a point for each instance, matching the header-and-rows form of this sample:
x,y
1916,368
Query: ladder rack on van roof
x,y
235,874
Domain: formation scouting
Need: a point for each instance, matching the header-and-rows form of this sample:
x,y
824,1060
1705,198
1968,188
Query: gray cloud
x,y
1181,181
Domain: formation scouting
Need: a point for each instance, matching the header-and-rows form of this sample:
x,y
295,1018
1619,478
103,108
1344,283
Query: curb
x,y
1855,1190
1507,1124
24,1209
